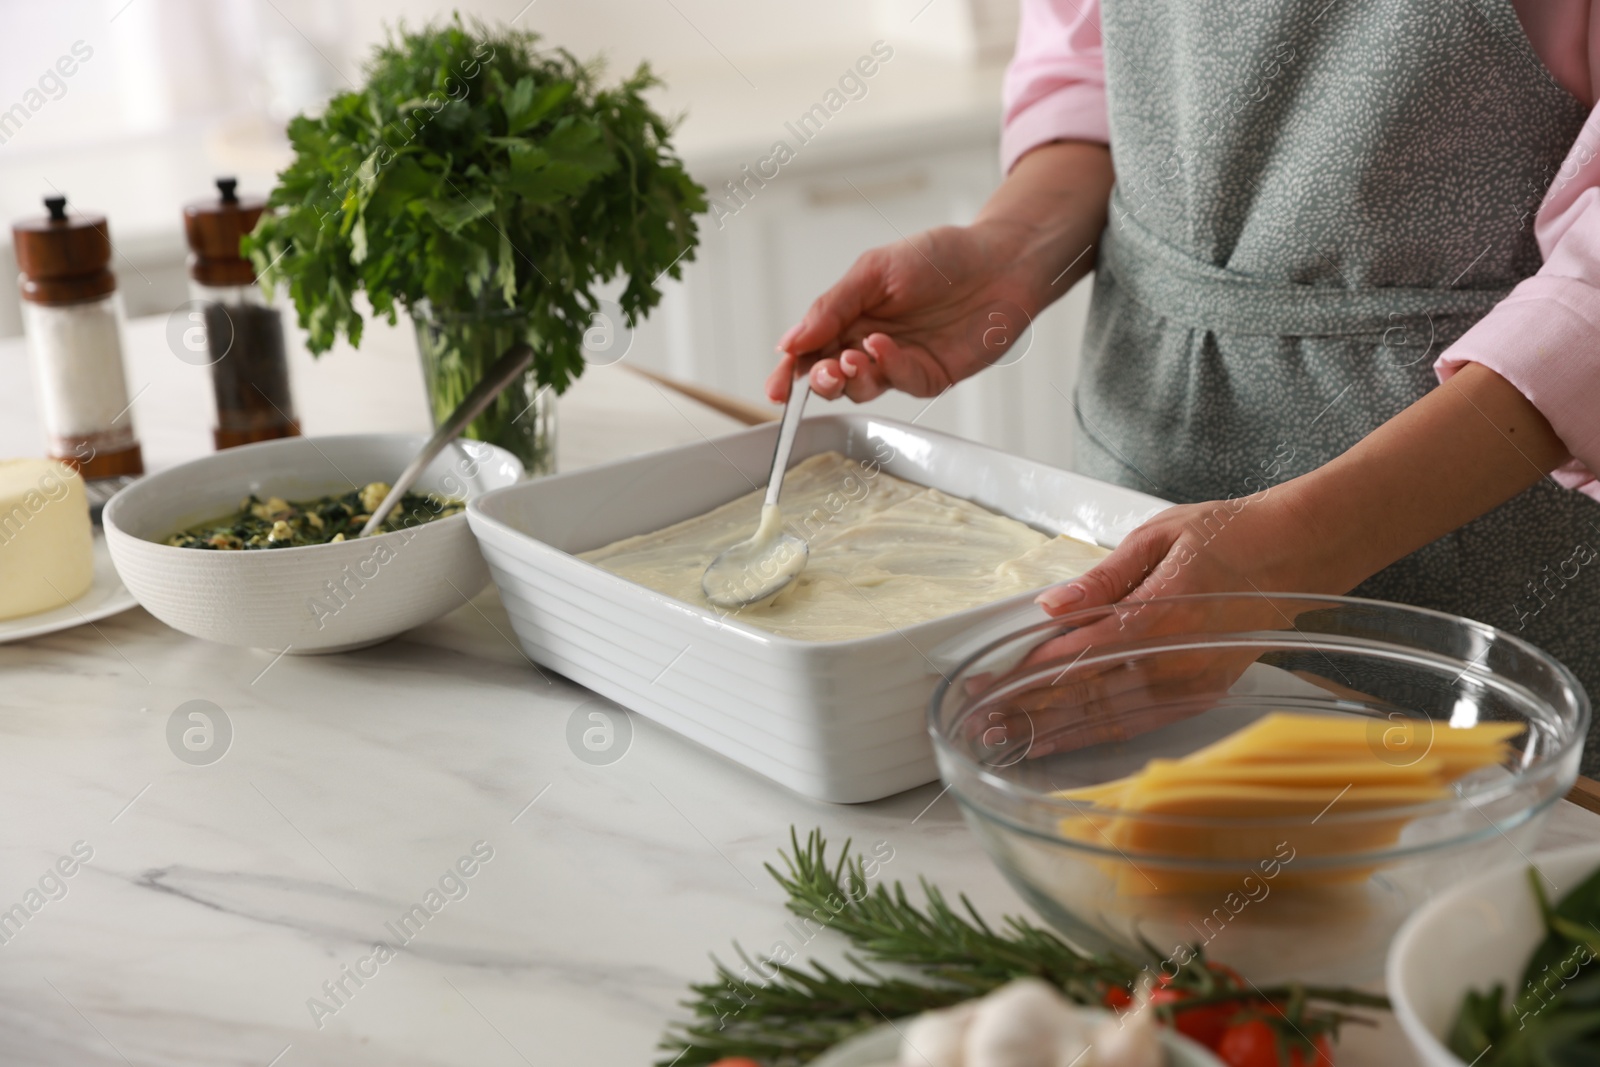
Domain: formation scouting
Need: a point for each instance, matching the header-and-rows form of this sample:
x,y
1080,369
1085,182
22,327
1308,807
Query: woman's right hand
x,y
918,315
923,313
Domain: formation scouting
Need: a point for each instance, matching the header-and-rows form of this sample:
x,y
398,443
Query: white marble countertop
x,y
218,899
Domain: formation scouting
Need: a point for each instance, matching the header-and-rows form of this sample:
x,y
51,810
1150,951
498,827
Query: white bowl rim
x,y
109,514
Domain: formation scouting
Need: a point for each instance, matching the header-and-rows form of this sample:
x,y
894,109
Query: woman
x,y
1307,214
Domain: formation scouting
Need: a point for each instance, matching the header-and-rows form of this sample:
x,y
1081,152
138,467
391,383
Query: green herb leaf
x,y
526,105
1554,1020
1479,1024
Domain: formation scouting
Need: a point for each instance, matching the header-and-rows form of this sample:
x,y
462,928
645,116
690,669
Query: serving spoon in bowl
x,y
501,373
762,565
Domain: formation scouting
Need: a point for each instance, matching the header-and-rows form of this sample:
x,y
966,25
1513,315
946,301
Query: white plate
x,y
106,596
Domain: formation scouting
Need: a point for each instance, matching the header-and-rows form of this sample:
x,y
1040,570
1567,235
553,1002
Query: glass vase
x,y
456,349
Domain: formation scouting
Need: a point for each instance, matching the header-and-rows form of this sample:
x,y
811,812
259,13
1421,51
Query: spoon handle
x,y
499,375
799,389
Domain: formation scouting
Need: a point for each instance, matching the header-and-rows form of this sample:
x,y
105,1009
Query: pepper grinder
x,y
72,316
243,327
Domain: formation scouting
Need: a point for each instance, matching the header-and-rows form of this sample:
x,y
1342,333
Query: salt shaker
x,y
72,316
243,329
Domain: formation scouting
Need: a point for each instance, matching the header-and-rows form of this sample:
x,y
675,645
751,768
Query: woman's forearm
x,y
1461,451
1050,210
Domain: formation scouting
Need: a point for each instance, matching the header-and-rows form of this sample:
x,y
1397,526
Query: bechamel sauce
x,y
885,554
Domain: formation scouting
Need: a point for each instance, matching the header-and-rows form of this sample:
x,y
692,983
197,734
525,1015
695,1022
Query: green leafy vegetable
x,y
1554,1021
278,523
1571,926
478,173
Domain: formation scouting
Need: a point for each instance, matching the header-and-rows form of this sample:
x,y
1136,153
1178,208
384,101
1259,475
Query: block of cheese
x,y
46,539
1262,780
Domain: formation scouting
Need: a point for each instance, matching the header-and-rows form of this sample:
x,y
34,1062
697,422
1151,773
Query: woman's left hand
x,y
1258,543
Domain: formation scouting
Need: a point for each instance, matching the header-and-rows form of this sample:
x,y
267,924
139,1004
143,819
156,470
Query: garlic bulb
x,y
936,1038
1018,1025
1127,1041
1028,1023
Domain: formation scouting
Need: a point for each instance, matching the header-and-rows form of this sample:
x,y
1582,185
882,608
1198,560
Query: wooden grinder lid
x,y
63,260
213,228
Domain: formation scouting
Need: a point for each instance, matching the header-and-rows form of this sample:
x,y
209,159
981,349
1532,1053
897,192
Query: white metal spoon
x,y
762,565
501,373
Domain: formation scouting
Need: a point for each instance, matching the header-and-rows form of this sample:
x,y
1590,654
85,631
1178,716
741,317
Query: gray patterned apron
x,y
1314,198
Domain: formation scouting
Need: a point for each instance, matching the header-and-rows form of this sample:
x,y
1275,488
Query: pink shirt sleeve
x,y
1544,338
1055,87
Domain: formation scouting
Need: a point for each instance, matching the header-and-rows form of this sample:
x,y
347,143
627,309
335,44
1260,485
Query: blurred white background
x,y
166,95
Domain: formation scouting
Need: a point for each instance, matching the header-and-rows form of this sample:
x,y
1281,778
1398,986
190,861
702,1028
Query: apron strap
x,y
1175,285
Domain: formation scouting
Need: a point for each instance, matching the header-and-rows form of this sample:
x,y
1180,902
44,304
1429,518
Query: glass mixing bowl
x,y
1042,706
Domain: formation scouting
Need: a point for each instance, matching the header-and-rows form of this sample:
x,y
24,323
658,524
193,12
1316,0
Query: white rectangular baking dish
x,y
838,720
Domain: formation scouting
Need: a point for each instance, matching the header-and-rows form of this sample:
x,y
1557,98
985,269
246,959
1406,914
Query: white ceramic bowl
x,y
838,720
314,598
1479,933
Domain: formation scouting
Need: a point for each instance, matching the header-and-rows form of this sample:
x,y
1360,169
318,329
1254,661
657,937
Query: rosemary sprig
x,y
952,947
787,1015
797,1014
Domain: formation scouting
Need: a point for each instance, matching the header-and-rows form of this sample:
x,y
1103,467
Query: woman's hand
x,y
1255,544
923,313
1248,544
911,316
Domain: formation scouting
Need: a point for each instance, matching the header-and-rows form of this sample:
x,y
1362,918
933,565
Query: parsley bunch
x,y
479,173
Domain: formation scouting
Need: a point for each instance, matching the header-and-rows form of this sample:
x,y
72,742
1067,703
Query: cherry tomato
x,y
1253,1043
1116,998
1205,1025
1200,1024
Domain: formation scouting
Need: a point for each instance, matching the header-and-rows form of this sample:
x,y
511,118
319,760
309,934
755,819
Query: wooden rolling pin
x,y
741,410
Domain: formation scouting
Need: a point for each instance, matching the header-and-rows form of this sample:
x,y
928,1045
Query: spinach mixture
x,y
278,523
